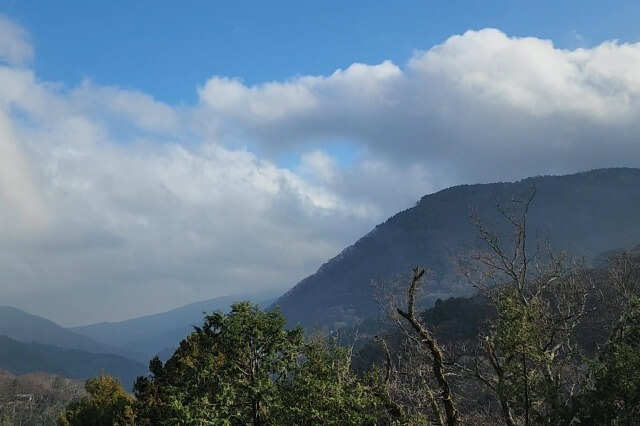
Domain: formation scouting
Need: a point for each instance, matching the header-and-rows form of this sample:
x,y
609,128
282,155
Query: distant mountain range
x,y
587,213
24,327
20,358
162,332
29,343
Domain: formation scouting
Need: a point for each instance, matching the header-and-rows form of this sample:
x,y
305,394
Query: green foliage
x,y
614,397
518,335
226,372
324,390
107,403
246,368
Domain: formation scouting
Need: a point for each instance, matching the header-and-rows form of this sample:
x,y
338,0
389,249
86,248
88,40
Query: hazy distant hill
x,y
156,333
24,327
19,358
588,213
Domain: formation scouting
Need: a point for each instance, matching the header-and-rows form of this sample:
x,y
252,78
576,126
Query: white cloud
x,y
310,107
15,47
530,75
137,108
22,208
145,206
318,164
139,216
459,109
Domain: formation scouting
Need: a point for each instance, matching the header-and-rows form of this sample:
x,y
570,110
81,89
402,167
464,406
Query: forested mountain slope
x,y
587,213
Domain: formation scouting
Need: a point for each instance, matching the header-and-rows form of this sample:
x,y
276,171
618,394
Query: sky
x,y
153,154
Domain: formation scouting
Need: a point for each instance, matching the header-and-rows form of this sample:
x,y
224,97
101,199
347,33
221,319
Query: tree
x,y
612,391
411,389
106,404
451,412
246,368
559,344
225,372
323,389
614,395
528,356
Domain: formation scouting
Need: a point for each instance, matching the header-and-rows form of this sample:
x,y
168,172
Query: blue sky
x,y
150,148
167,48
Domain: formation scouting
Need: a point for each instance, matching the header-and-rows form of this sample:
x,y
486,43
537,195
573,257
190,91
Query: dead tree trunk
x,y
453,417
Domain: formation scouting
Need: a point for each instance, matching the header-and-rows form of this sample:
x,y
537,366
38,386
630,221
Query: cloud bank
x,y
113,204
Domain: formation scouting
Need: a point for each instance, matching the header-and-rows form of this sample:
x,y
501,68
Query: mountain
x,y
586,213
24,327
160,332
20,358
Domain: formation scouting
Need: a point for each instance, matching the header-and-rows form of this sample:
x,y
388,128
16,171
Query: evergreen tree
x,y
225,372
614,397
325,390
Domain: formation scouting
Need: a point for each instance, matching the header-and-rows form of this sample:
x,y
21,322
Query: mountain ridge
x,y
25,327
21,358
587,213
151,334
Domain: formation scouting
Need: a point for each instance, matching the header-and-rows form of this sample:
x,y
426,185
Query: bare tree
x,y
527,355
419,345
619,284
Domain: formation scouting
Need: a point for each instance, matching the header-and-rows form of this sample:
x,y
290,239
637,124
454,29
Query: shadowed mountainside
x,y
586,213
20,358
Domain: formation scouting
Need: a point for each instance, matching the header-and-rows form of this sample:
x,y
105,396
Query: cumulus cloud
x,y
148,222
133,205
460,108
113,206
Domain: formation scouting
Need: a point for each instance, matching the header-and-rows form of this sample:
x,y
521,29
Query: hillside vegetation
x,y
35,398
517,355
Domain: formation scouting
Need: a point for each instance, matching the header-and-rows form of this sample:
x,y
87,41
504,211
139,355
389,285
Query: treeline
x,y
243,367
547,341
